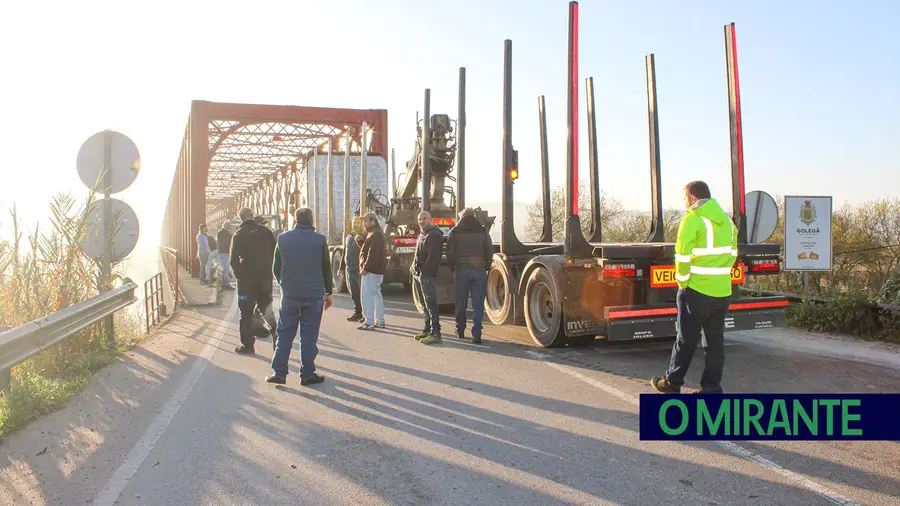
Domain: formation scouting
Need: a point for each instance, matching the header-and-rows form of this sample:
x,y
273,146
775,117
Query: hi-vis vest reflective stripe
x,y
721,258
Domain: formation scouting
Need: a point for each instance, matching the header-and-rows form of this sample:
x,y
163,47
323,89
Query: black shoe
x,y
245,350
460,335
663,385
312,380
274,378
476,340
355,317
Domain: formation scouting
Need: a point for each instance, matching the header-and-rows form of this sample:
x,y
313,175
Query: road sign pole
x,y
114,160
108,231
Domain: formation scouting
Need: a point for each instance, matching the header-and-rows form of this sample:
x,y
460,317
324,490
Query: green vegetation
x,y
41,275
866,267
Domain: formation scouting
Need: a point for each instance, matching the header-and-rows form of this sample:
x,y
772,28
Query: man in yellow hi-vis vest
x,y
705,252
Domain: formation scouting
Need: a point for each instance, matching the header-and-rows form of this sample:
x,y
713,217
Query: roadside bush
x,y
39,276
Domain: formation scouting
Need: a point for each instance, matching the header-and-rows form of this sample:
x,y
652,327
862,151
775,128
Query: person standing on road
x,y
429,250
203,254
252,252
372,264
351,262
302,266
705,252
469,254
223,238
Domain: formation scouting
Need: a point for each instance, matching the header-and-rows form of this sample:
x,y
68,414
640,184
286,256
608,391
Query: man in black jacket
x,y
223,238
429,250
469,254
252,252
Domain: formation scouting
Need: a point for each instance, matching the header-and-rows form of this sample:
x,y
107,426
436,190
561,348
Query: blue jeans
x,y
426,289
372,300
699,314
353,286
472,282
307,315
223,264
205,266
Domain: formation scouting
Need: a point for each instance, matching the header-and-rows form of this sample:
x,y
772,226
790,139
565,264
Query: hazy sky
x,y
818,78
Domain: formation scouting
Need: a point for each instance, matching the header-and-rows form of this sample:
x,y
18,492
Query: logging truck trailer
x,y
331,176
583,288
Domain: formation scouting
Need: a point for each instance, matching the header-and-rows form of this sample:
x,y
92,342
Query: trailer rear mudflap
x,y
625,323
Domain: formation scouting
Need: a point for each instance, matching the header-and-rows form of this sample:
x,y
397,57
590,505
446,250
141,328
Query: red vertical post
x,y
199,169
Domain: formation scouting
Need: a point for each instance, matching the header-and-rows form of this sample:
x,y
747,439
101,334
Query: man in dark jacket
x,y
469,254
302,266
351,261
372,264
223,238
429,250
252,251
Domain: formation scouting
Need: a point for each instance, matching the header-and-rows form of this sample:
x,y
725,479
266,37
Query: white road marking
x,y
116,484
725,445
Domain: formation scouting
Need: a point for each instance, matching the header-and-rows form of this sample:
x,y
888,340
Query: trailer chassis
x,y
571,293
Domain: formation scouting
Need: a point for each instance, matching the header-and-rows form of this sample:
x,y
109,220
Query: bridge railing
x,y
154,306
21,343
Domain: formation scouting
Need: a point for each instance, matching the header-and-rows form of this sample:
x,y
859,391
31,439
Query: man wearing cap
x,y
302,266
705,252
372,264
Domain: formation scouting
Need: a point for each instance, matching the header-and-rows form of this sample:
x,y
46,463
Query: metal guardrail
x,y
154,307
800,298
21,343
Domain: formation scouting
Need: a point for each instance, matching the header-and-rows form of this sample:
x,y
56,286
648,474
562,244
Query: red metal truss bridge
x,y
237,155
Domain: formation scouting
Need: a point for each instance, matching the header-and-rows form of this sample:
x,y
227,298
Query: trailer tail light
x,y
445,222
619,271
763,266
404,241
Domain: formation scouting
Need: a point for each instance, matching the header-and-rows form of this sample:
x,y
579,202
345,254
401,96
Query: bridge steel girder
x,y
227,146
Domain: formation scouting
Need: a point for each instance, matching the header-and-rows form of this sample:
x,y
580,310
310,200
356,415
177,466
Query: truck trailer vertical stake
x,y
657,226
596,219
461,144
363,172
547,231
426,154
329,173
574,243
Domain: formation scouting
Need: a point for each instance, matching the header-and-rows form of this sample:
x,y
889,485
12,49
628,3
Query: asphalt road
x,y
184,420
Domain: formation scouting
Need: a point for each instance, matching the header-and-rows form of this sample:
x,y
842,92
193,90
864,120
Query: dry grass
x,y
42,272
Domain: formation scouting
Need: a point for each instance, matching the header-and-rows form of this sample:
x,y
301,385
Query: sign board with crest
x,y
807,233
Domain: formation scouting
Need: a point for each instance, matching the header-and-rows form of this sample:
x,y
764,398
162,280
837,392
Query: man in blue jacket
x,y
302,266
429,250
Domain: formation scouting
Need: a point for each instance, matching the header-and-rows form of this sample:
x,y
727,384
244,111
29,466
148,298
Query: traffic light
x,y
514,169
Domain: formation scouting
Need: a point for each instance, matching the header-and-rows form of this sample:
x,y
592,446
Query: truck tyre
x,y
543,309
337,274
498,300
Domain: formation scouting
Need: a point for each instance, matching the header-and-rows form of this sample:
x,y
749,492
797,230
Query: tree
x,y
618,224
610,210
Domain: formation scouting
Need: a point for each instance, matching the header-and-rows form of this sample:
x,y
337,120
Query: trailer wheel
x,y
337,274
543,309
498,300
